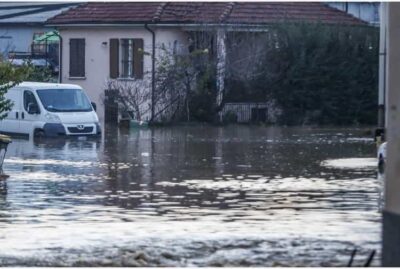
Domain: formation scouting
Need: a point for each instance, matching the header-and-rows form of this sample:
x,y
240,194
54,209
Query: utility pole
x,y
391,212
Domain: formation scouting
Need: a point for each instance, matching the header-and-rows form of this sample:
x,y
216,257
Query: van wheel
x,y
39,133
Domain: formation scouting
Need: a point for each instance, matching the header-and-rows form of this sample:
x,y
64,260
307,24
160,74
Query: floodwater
x,y
192,196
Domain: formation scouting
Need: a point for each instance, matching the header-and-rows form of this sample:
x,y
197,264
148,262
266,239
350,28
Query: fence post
x,y
110,107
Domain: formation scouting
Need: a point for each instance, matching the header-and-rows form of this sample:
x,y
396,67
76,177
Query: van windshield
x,y
64,100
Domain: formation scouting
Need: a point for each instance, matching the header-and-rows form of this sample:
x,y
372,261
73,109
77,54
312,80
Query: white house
x,y
91,57
105,41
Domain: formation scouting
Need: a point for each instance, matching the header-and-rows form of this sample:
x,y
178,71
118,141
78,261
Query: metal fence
x,y
246,112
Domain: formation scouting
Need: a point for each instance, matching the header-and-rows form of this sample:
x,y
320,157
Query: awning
x,y
48,37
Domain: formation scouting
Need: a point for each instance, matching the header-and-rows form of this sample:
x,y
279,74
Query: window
x,y
126,58
77,57
29,98
64,100
38,48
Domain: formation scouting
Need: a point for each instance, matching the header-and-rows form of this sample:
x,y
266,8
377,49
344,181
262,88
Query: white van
x,y
50,109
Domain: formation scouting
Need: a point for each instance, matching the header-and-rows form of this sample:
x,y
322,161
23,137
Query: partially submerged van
x,y
50,109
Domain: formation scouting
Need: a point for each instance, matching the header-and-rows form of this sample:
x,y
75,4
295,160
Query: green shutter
x,y
77,57
138,58
114,58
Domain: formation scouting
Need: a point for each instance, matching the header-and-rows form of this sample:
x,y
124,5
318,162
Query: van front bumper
x,y
58,129
54,129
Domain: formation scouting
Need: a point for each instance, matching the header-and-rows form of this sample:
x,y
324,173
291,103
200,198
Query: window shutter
x,y
77,57
114,58
72,57
81,57
138,58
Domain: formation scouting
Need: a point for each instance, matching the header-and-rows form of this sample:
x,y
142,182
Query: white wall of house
x,y
97,54
18,38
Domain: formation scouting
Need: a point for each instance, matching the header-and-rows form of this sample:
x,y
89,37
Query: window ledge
x,y
76,78
127,79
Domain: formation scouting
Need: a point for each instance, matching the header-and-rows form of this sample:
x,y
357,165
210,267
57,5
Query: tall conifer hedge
x,y
318,74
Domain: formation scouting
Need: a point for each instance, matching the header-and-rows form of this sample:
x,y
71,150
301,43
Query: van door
x,y
10,124
28,118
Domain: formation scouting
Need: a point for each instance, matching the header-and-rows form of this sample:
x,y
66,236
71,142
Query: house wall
x,y
97,58
18,38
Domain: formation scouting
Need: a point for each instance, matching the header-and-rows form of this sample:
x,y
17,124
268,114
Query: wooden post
x,y
110,107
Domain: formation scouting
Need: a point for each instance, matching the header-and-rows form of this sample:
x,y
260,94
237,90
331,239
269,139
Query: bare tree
x,y
132,96
176,78
175,81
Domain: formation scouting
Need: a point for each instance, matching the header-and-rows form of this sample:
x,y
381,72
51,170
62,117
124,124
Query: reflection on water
x,y
199,196
351,163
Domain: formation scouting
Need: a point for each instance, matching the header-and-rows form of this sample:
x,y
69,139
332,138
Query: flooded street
x,y
193,196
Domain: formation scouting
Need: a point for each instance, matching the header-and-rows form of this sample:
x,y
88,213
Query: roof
x,y
197,12
45,85
30,13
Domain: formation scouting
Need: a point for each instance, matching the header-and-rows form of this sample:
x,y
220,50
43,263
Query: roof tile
x,y
203,12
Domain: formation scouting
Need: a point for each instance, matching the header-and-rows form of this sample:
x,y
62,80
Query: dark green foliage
x,y
185,87
9,77
318,74
40,74
202,103
229,117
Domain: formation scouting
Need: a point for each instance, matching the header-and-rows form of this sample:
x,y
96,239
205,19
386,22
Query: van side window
x,y
28,99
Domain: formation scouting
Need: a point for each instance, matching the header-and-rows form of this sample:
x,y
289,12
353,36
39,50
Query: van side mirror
x,y
94,105
33,108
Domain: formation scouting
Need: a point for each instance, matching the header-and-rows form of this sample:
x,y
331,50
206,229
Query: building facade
x,y
113,53
21,22
103,42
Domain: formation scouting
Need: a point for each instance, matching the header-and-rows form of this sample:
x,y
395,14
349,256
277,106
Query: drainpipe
x,y
221,65
153,71
382,69
59,58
